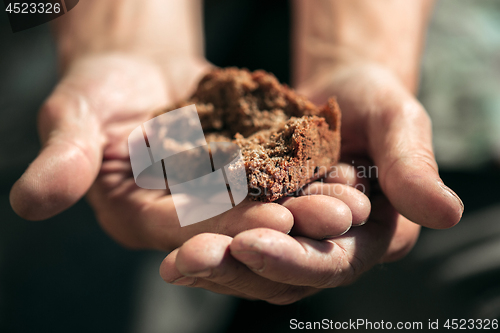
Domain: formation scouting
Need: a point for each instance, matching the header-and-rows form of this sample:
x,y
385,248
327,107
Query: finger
x,y
68,162
318,216
306,262
149,219
206,258
401,146
296,261
356,176
384,120
247,215
358,203
170,274
92,107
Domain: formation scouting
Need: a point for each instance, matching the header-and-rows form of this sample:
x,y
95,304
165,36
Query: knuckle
x,y
344,270
195,284
409,111
356,267
231,279
412,109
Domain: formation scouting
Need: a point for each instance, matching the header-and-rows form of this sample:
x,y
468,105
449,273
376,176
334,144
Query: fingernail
x,y
360,223
202,274
450,191
184,281
253,260
334,236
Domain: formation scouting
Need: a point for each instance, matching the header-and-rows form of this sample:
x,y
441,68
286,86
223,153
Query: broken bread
x,y
286,141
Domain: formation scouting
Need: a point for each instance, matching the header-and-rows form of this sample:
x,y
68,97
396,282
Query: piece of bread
x,y
286,141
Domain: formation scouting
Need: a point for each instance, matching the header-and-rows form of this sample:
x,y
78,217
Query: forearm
x,y
154,28
390,32
166,34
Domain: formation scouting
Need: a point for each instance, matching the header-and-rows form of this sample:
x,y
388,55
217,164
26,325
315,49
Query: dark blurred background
x,y
66,275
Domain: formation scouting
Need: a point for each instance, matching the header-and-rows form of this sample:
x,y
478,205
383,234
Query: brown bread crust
x,y
286,141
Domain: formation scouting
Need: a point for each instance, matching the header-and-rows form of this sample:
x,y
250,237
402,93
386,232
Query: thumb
x,y
68,162
380,115
401,146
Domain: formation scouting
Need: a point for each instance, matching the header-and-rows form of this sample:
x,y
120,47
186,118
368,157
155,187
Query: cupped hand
x,y
84,127
269,265
384,124
386,136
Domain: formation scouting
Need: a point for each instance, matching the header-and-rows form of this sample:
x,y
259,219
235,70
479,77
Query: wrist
x,y
389,34
177,75
341,59
333,78
157,30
